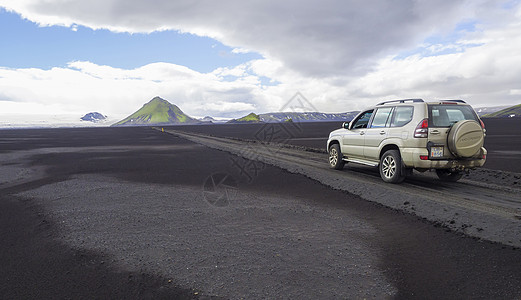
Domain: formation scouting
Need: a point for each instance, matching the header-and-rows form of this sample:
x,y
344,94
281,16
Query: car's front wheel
x,y
391,167
447,175
335,157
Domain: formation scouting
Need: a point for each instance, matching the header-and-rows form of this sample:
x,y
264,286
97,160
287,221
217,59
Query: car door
x,y
377,132
353,140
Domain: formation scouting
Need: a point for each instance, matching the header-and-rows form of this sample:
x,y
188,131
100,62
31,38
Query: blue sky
x,y
444,43
228,58
24,44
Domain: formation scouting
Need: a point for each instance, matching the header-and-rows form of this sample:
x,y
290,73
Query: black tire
x,y
335,157
447,175
390,167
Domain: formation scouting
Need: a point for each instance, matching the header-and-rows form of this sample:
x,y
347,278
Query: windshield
x,y
447,115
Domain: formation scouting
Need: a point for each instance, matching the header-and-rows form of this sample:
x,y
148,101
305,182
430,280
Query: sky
x,y
229,58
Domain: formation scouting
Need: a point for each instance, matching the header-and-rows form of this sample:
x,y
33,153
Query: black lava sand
x,y
127,213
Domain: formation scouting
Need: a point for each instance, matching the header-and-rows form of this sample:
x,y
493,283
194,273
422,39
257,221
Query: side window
x,y
362,121
381,116
402,116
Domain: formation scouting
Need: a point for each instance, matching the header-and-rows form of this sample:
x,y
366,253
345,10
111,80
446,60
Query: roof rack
x,y
458,101
400,101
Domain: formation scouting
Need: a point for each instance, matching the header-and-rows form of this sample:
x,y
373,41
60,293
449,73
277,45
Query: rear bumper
x,y
411,159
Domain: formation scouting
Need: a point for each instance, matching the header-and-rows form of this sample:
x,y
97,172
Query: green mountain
x,y
157,112
251,118
514,111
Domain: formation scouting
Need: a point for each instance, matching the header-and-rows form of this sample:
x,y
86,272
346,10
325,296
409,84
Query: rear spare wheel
x,y
465,138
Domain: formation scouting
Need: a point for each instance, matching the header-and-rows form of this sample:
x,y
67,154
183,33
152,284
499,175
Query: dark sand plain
x,y
126,213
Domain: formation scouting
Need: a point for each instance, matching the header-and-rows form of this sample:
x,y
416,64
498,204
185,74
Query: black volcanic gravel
x,y
317,242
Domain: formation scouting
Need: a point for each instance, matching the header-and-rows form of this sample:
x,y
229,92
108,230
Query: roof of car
x,y
400,101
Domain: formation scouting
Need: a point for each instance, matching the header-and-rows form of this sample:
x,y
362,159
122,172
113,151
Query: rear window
x,y
446,115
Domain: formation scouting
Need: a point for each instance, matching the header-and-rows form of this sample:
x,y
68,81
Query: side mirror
x,y
345,125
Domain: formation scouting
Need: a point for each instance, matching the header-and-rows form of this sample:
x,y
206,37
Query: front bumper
x,y
411,159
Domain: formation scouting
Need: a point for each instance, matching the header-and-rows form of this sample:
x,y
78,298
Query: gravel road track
x,y
482,205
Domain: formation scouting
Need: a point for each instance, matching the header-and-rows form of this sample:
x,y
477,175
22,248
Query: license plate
x,y
436,152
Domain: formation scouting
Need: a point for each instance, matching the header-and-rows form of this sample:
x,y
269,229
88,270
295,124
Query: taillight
x,y
422,130
483,126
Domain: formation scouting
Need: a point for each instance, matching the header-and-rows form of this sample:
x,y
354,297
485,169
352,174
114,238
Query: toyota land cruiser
x,y
401,135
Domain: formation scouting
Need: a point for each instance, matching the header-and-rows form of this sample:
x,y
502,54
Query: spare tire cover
x,y
465,138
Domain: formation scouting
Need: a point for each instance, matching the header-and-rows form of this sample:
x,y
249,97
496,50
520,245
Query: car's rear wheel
x,y
391,167
447,175
335,157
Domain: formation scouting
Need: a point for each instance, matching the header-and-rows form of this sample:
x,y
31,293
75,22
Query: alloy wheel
x,y
389,166
333,157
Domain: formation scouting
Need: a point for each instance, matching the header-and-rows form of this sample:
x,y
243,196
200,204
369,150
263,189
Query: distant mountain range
x,y
307,116
208,119
280,117
157,112
161,112
488,110
513,111
251,118
94,117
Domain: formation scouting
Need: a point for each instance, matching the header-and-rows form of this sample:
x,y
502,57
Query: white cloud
x,y
326,38
341,55
240,51
484,74
226,107
83,87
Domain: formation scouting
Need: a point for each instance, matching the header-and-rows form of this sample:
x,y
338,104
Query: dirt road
x,y
503,139
482,205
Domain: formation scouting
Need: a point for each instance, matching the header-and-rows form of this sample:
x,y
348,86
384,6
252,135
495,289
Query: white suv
x,y
401,135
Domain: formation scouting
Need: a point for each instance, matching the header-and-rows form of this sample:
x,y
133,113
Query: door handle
x,y
382,132
435,131
362,132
